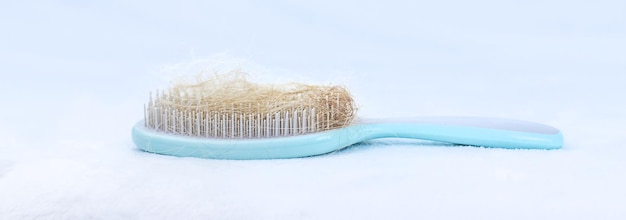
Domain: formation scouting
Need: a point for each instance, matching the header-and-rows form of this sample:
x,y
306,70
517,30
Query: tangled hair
x,y
228,105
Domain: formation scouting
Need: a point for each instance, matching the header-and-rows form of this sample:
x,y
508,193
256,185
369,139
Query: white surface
x,y
74,75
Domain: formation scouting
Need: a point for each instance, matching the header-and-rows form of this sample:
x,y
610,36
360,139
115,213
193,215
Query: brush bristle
x,y
229,106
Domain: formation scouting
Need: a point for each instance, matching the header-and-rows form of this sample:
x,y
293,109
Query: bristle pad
x,y
230,125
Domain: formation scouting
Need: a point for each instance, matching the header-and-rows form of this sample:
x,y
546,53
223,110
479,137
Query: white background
x,y
75,74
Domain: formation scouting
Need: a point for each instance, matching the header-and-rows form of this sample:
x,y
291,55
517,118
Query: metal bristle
x,y
170,114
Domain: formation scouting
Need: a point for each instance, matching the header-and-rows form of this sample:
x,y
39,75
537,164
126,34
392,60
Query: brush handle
x,y
476,131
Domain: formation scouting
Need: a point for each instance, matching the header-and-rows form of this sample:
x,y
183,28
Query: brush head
x,y
229,106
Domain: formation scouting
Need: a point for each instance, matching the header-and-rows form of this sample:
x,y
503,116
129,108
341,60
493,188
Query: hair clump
x,y
228,106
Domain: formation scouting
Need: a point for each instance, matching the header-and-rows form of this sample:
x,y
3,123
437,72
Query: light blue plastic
x,y
497,133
